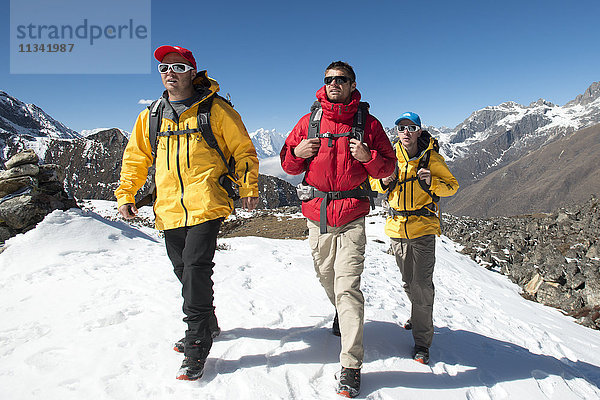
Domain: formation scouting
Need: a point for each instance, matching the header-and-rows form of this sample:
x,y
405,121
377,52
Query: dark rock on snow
x,y
554,257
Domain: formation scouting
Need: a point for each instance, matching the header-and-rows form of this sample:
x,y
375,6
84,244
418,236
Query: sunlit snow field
x,y
90,309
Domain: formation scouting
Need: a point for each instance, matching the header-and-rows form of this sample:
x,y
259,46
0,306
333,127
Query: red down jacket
x,y
334,168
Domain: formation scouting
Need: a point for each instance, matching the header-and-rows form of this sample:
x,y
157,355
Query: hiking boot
x,y
349,382
408,325
179,345
191,369
335,329
214,332
421,354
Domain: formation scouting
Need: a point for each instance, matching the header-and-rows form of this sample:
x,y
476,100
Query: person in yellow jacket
x,y
413,191
190,202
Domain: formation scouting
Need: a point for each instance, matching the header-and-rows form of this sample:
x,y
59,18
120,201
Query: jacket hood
x,y
425,142
337,111
202,80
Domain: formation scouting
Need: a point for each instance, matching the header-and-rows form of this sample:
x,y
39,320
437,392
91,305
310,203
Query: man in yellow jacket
x,y
413,190
190,201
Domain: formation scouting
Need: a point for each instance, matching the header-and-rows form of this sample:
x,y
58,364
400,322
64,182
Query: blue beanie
x,y
411,116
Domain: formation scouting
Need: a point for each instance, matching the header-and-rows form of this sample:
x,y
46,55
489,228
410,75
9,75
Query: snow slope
x,y
90,309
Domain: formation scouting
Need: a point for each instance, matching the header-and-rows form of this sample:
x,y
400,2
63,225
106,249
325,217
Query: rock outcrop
x,y
29,192
554,257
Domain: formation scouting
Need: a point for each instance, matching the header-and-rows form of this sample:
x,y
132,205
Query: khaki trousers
x,y
338,256
416,259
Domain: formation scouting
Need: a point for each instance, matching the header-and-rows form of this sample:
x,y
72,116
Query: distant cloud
x,y
145,102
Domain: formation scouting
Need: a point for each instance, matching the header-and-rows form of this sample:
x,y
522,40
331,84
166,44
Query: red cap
x,y
162,51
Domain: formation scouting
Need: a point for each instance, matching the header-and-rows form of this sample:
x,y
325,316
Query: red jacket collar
x,y
336,111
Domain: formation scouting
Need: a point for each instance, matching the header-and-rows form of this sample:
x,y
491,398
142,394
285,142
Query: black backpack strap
x,y
430,210
228,180
203,118
361,191
357,132
207,133
360,120
424,163
154,119
314,124
358,126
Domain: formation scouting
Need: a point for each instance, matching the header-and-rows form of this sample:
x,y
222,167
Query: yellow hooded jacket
x,y
408,195
187,169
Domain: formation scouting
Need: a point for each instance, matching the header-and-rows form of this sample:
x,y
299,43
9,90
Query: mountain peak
x,y
542,102
17,117
591,94
268,143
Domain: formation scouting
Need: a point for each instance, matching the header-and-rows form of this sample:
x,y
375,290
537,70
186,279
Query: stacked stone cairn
x,y
29,192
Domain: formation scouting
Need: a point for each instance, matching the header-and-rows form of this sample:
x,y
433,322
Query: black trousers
x,y
191,251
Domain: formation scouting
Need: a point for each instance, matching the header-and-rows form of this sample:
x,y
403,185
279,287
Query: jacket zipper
x,y
412,194
185,211
404,196
187,137
168,154
181,183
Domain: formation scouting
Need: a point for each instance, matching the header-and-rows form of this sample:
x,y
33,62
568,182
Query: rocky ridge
x,y
24,126
497,135
560,173
554,257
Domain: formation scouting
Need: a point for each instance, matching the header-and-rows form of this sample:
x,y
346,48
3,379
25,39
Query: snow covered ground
x,y
90,309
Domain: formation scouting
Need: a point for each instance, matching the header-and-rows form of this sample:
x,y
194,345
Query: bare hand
x,y
128,211
360,151
389,179
424,175
307,148
249,203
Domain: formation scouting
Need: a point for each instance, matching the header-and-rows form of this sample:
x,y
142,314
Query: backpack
x,y
306,192
423,163
227,180
358,126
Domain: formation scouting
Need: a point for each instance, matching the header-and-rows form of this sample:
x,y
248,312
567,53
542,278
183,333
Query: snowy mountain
x,y
563,172
27,126
268,143
497,135
90,309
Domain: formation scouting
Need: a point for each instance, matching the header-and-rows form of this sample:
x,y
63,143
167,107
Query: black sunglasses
x,y
337,79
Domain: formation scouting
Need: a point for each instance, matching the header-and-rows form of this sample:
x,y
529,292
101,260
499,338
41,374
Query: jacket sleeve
x,y
377,185
383,158
230,126
289,162
443,183
137,158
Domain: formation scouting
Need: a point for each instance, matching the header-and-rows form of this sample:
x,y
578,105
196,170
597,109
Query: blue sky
x,y
440,59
